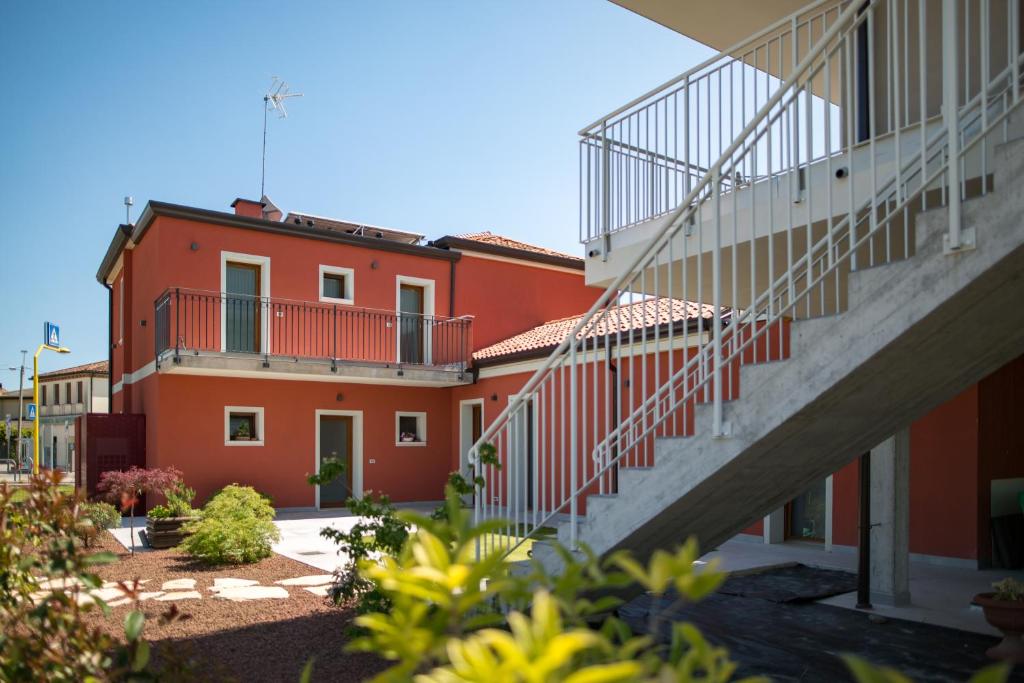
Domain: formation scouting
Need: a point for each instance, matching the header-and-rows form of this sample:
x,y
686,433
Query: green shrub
x,y
102,515
179,503
234,527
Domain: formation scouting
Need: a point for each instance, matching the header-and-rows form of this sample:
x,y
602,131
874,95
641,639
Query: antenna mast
x,y
274,99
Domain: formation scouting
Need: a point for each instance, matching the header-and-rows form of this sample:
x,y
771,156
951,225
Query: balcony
x,y
751,154
213,333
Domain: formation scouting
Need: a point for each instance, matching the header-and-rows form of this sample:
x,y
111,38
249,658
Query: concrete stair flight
x,y
915,333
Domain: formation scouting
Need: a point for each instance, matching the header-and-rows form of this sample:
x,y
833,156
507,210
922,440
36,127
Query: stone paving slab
x,y
179,584
221,583
243,593
312,580
180,595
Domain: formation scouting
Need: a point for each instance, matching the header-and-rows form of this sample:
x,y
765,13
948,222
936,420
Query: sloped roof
x,y
488,237
644,314
97,368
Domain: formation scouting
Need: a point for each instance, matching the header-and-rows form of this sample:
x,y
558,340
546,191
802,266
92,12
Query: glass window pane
x,y
408,428
334,286
242,427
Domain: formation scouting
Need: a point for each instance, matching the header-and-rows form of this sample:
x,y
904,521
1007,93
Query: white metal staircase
x,y
860,268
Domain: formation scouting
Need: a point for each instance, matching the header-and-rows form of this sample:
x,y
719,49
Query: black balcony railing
x,y
191,321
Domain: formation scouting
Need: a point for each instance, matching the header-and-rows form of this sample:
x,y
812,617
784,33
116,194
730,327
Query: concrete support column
x,y
775,526
890,520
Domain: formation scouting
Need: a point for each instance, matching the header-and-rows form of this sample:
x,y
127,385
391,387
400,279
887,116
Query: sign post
x,y
51,341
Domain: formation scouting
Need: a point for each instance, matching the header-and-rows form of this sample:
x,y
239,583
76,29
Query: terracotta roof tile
x,y
89,368
488,237
643,314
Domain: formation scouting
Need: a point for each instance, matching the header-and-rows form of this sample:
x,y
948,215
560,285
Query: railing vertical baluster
x,y
950,111
177,325
716,295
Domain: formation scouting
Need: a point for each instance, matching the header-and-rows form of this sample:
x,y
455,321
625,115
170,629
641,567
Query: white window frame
x,y
350,284
256,410
357,449
253,259
421,428
428,310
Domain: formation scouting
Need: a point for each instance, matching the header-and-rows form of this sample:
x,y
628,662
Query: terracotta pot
x,y
1008,617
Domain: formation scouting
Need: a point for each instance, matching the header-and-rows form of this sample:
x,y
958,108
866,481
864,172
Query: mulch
x,y
258,640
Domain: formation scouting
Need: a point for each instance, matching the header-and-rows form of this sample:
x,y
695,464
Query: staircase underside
x,y
916,333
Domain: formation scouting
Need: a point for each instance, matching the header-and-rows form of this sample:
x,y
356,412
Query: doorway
x,y
242,304
410,323
471,428
806,518
336,442
522,447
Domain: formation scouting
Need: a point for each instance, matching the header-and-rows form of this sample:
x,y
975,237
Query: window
x,y
67,392
56,394
42,395
243,426
410,429
337,285
79,392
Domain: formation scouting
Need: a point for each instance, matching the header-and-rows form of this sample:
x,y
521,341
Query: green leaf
x,y
133,624
865,672
307,671
141,655
995,673
99,558
607,673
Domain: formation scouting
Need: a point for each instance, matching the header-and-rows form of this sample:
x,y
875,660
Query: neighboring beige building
x,y
63,396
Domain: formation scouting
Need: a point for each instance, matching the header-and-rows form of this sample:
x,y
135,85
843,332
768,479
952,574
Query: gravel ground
x,y
259,640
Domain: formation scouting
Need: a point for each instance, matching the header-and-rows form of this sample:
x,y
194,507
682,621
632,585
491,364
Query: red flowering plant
x,y
127,487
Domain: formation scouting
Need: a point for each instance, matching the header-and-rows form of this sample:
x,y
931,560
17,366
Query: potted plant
x,y
1004,609
242,433
164,522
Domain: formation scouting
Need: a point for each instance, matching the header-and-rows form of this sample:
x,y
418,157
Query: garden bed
x,y
257,640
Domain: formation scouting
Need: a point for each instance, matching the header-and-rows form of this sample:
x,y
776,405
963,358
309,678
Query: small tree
x,y
125,487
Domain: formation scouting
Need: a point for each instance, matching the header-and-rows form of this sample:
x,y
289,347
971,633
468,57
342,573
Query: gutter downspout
x,y
451,289
110,349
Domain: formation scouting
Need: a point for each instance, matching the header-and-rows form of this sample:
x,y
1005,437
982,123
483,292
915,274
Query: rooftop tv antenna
x,y
274,99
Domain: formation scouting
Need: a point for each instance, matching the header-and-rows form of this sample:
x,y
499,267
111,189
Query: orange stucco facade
x,y
503,294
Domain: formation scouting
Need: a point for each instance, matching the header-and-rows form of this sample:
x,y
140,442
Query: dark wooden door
x,y
336,445
242,306
411,323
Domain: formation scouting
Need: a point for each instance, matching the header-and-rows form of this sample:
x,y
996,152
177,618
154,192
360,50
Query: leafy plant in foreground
x,y
43,571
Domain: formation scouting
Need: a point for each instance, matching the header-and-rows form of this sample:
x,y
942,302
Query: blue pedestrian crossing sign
x,y
51,334
31,411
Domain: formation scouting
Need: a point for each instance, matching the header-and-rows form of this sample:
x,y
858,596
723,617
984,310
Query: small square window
x,y
334,286
410,429
243,426
337,285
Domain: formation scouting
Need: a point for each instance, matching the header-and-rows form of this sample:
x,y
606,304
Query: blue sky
x,y
436,117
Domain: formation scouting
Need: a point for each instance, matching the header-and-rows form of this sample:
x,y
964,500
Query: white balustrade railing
x,y
824,177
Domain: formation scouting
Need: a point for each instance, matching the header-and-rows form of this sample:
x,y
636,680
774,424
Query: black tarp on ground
x,y
802,641
794,583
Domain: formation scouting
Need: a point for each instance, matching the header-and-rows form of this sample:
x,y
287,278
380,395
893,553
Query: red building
x,y
257,345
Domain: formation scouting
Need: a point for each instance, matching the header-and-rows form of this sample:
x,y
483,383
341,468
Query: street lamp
x,y
35,399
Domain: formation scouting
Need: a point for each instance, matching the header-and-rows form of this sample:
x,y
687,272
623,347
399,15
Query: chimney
x,y
248,207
